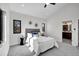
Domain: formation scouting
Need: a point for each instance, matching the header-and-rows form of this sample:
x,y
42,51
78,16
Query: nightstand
x,y
21,41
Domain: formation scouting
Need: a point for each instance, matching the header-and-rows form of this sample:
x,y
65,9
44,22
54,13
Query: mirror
x,y
43,27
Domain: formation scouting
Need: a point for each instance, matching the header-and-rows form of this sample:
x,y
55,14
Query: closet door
x,y
1,26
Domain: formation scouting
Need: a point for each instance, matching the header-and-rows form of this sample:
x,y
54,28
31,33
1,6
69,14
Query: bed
x,y
40,44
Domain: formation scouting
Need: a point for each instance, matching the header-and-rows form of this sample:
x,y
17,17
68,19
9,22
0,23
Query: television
x,y
65,27
1,26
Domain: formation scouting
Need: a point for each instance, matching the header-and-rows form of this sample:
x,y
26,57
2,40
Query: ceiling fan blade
x,y
53,3
45,6
49,3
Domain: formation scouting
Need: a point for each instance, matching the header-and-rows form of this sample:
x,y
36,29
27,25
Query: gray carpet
x,y
63,50
20,50
67,41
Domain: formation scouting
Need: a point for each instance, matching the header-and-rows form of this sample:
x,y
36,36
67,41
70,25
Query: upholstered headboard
x,y
31,31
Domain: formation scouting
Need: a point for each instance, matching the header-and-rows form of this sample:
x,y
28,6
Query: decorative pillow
x,y
29,35
35,34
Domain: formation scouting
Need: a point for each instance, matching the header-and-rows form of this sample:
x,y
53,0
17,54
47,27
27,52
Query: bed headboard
x,y
30,31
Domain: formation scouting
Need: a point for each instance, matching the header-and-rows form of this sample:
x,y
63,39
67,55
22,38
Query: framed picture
x,y
16,26
43,27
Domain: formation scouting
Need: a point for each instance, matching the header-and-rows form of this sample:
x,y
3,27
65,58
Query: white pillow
x,y
35,35
29,35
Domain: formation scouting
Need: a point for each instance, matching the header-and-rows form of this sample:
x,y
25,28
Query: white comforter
x,y
42,44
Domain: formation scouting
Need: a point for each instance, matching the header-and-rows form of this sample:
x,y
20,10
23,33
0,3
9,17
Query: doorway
x,y
1,26
78,32
67,32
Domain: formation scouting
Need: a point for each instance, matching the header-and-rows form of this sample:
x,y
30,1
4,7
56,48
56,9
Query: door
x,y
78,32
1,26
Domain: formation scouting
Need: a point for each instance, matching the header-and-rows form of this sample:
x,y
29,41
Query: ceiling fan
x,y
49,3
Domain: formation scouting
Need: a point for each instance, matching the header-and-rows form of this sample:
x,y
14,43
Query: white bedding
x,y
42,44
44,39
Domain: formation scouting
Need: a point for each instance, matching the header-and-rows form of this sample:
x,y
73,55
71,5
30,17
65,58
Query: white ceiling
x,y
36,9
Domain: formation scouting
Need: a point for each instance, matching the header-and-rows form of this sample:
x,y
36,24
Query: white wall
x,y
4,47
15,38
54,25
